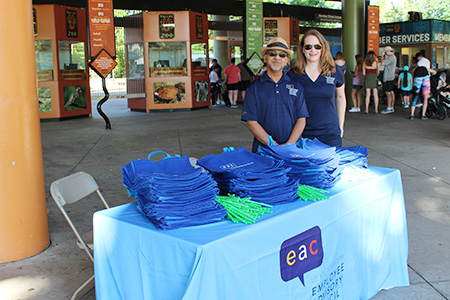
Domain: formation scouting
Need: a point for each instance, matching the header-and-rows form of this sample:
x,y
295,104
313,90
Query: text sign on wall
x,y
254,30
101,27
373,27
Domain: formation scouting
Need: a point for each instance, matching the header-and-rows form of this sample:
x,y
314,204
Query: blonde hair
x,y
327,64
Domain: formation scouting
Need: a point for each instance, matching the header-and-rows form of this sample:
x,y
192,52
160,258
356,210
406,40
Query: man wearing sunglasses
x,y
274,104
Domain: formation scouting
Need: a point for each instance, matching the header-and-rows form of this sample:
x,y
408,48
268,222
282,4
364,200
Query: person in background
x,y
274,104
357,84
421,82
405,83
215,63
370,71
220,98
324,88
340,62
232,77
245,78
215,85
389,61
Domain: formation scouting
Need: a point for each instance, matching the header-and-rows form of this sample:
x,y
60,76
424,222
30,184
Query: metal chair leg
x,y
74,296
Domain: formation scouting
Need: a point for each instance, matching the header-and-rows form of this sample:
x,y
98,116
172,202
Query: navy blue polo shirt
x,y
275,106
320,98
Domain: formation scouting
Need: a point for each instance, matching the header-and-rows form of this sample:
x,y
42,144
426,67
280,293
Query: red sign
x,y
101,27
373,27
103,64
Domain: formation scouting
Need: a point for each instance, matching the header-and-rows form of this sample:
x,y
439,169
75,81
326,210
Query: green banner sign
x,y
254,30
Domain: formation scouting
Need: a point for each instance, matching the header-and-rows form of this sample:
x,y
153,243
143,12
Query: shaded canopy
x,y
223,7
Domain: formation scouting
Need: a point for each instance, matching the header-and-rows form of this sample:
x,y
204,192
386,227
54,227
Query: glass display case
x,y
44,60
135,61
199,59
167,59
72,60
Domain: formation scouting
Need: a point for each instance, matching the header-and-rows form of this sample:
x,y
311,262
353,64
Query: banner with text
x,y
373,27
254,30
101,27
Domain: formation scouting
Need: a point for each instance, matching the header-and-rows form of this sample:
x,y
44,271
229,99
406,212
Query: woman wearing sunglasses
x,y
324,89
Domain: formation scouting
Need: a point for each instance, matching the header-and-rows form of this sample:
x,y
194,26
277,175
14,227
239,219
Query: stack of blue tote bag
x,y
246,174
171,192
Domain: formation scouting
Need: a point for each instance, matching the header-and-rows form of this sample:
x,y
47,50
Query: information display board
x,y
254,30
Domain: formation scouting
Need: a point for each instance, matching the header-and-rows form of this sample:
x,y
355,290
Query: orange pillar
x,y
23,212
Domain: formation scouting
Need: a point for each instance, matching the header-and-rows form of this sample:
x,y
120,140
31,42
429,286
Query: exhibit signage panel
x,y
424,31
373,34
101,27
254,30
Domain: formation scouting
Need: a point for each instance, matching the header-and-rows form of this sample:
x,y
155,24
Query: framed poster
x,y
166,26
169,92
199,27
270,29
74,97
71,23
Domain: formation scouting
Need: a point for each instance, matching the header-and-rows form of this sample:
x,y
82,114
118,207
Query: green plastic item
x,y
310,193
243,210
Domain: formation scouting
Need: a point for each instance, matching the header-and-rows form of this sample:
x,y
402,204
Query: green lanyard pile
x,y
243,210
306,192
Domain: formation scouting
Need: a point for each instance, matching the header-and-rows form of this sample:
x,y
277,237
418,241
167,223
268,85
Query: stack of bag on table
x,y
172,193
317,167
246,174
355,156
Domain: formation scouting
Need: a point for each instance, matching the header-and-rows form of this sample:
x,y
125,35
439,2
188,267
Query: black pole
x,y
100,103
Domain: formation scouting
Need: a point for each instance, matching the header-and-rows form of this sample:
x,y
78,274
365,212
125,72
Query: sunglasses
x,y
316,46
281,54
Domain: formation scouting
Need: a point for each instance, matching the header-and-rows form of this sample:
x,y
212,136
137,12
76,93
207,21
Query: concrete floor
x,y
418,148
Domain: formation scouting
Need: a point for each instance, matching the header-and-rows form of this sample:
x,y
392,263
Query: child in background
x,y
405,83
357,84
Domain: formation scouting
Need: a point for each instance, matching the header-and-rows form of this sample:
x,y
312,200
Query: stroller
x,y
439,98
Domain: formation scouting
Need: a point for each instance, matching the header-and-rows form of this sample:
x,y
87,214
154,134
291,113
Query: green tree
x,y
397,11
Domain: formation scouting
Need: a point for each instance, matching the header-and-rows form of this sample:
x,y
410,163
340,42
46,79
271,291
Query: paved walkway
x,y
420,149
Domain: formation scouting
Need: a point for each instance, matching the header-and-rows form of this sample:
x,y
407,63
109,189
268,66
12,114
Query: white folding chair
x,y
71,189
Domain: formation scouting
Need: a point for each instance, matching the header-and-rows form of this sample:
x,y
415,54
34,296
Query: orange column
x,y
23,212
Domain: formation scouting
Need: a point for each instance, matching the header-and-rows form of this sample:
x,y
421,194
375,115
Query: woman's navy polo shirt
x,y
275,106
320,98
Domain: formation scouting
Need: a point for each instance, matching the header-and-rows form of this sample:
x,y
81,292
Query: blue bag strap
x,y
271,141
159,152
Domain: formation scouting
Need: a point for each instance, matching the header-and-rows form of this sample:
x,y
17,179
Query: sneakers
x,y
424,118
388,110
405,105
411,117
354,109
234,106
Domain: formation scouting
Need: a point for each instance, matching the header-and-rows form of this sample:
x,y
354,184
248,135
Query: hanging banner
x,y
373,27
101,27
254,30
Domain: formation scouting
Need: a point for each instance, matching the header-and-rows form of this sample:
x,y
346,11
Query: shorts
x,y
406,93
422,82
389,86
357,87
243,85
233,86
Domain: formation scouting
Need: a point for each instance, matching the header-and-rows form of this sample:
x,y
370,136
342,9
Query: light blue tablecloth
x,y
347,247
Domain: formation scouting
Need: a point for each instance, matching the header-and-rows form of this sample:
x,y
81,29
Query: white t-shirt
x,y
213,77
424,62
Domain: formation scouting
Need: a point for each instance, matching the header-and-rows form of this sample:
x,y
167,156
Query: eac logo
x,y
301,254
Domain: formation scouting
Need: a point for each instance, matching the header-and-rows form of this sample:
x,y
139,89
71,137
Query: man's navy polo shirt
x,y
275,106
320,98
